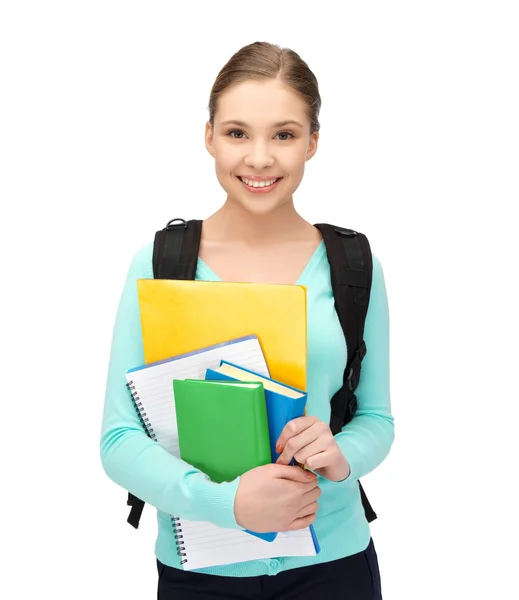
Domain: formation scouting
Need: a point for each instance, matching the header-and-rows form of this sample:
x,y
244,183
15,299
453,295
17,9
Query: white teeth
x,y
258,184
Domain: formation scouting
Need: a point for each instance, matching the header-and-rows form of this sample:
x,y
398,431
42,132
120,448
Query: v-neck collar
x,y
204,271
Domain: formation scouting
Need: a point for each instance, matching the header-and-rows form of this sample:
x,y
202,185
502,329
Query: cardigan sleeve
x,y
128,455
366,440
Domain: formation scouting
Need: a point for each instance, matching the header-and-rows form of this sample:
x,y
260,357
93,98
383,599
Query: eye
x,y
237,131
289,133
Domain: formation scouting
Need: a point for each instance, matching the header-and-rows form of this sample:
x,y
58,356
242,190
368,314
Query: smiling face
x,y
260,142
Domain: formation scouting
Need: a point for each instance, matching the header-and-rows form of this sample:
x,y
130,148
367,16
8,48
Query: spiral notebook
x,y
151,385
202,545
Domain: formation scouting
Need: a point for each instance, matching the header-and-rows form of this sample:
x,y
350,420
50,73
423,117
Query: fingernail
x,y
279,448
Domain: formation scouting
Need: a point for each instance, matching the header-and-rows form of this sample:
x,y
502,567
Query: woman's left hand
x,y
310,442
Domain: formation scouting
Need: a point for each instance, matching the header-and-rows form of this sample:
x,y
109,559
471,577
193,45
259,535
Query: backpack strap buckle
x,y
352,380
171,224
345,232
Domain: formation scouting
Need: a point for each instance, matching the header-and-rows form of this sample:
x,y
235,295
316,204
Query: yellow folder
x,y
179,316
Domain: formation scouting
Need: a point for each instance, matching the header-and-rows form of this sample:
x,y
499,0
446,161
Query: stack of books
x,y
220,402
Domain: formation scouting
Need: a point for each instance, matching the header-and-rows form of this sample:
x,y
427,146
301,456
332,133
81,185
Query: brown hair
x,y
262,60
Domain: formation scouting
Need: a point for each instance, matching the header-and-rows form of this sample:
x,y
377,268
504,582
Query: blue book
x,y
284,403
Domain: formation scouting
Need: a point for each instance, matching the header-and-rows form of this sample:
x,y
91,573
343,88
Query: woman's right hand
x,y
276,498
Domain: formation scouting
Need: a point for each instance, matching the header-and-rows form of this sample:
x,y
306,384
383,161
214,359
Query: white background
x,y
103,106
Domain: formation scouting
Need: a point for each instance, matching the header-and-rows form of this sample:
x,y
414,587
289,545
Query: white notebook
x,y
151,385
204,544
201,545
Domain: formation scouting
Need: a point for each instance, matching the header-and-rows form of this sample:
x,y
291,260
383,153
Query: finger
x,y
292,428
311,495
320,460
302,522
308,486
294,474
316,447
308,510
295,444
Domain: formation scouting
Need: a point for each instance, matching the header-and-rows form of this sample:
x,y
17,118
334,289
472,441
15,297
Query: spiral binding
x,y
140,409
181,549
175,521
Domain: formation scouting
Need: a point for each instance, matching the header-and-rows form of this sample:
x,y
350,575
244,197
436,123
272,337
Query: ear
x,y
312,145
209,138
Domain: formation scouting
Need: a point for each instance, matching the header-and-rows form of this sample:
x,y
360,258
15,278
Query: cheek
x,y
227,160
296,168
295,159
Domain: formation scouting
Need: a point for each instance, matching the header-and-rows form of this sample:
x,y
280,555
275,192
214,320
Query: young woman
x,y
263,127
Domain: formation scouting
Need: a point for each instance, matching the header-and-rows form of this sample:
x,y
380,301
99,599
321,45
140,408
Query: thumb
x,y
294,473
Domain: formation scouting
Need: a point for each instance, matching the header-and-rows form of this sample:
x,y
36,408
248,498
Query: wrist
x,y
214,502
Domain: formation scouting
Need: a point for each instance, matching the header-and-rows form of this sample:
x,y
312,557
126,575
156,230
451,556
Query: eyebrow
x,y
280,124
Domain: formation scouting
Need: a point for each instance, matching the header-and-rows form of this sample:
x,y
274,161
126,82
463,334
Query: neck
x,y
233,223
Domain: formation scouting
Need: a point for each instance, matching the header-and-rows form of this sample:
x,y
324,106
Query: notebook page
x,y
207,545
153,384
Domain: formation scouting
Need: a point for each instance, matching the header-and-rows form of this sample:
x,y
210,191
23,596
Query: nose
x,y
259,156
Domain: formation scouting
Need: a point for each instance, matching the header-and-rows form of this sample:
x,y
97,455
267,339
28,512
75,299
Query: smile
x,y
257,186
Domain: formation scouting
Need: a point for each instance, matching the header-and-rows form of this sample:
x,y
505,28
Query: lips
x,y
258,185
258,182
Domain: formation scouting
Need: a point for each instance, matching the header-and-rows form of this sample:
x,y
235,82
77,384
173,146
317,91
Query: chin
x,y
261,209
258,204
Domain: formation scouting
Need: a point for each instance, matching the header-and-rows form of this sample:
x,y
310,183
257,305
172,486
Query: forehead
x,y
260,103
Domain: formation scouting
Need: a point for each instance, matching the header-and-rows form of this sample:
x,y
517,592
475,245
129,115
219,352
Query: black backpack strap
x,y
137,506
175,251
351,265
175,256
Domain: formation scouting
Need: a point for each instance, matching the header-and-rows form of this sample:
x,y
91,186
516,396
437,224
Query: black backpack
x,y
175,256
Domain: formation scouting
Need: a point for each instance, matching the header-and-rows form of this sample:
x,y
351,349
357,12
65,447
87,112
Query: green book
x,y
222,426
